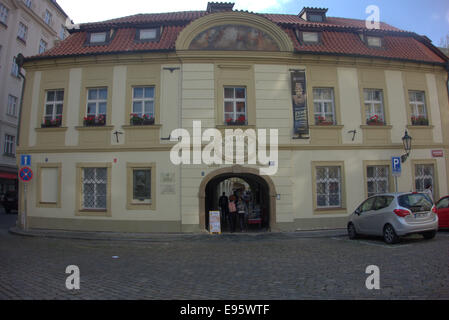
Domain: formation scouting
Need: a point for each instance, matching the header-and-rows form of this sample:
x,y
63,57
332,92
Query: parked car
x,y
394,215
442,207
10,201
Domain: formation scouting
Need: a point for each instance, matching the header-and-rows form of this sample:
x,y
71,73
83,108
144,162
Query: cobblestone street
x,y
266,266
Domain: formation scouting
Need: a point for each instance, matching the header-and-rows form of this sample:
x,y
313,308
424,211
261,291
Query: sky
x,y
425,17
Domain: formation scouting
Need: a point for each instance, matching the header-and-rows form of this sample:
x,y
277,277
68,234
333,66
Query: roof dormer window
x,y
313,14
148,34
98,37
315,18
374,41
308,37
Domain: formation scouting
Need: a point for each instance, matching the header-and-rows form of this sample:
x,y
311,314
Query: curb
x,y
170,237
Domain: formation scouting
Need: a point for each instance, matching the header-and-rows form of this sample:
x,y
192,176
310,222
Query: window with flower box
x,y
324,107
235,106
54,102
143,106
374,107
418,108
96,107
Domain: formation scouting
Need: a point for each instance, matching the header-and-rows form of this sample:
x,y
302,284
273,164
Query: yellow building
x,y
100,108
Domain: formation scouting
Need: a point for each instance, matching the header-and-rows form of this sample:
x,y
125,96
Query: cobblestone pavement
x,y
222,267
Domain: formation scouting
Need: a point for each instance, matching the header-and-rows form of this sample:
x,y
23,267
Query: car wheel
x,y
429,235
352,233
390,235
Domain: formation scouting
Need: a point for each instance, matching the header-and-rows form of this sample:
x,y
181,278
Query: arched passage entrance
x,y
249,175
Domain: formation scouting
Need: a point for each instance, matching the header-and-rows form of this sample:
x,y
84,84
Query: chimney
x,y
213,7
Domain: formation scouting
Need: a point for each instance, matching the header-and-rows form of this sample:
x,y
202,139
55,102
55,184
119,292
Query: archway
x,y
208,201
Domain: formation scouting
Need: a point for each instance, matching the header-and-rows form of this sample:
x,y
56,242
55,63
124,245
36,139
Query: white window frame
x,y
4,11
371,112
143,100
9,145
321,105
95,184
376,179
310,37
424,177
62,33
42,46
22,31
327,180
15,68
149,32
54,114
12,105
415,104
234,101
98,37
48,17
97,102
28,3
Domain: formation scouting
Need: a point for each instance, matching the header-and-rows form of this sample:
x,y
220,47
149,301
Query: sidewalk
x,y
170,237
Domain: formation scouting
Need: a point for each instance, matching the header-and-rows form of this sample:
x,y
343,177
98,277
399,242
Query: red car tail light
x,y
434,209
402,212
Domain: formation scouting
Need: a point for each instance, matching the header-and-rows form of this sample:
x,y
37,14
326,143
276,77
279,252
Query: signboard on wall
x,y
299,100
437,153
214,222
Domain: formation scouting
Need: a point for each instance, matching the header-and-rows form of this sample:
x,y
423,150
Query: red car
x,y
442,208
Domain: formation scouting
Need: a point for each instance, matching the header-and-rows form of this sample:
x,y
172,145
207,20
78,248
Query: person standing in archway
x,y
241,209
232,212
223,203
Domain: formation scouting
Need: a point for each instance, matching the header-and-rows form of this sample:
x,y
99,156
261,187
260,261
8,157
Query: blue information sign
x,y
25,160
396,168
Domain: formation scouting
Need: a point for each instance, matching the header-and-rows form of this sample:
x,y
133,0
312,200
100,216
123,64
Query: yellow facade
x,y
189,86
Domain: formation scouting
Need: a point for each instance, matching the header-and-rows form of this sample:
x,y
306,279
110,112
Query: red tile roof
x,y
339,36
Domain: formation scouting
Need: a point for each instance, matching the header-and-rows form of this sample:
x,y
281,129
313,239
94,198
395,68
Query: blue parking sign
x,y
25,160
396,168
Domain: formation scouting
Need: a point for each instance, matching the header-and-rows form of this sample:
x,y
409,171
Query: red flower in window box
x,y
240,121
375,121
145,119
93,121
321,121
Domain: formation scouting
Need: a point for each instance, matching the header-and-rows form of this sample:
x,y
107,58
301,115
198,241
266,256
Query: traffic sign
x,y
25,160
396,168
26,174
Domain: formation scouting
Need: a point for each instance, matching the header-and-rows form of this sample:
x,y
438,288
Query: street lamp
x,y
407,141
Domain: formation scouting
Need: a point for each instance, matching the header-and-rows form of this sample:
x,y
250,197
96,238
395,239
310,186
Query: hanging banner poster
x,y
214,222
299,99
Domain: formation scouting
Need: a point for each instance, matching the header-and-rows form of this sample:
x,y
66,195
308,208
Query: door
x,y
443,212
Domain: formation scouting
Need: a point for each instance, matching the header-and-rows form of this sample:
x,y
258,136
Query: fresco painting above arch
x,y
234,37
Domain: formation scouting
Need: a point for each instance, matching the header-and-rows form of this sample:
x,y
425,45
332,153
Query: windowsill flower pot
x,y
323,122
375,121
95,121
144,120
420,121
52,123
240,121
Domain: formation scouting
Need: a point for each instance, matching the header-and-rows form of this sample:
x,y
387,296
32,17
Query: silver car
x,y
393,215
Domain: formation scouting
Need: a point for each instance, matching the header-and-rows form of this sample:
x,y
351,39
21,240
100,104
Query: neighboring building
x,y
96,168
28,27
